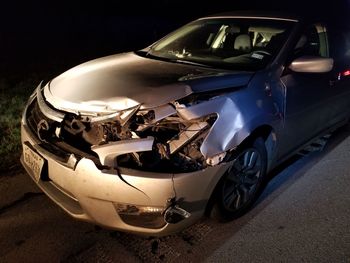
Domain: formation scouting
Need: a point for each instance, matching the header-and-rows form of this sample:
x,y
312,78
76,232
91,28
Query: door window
x,y
313,42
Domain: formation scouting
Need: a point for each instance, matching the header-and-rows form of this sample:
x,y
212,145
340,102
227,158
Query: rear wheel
x,y
242,183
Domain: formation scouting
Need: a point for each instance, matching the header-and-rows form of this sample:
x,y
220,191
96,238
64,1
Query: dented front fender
x,y
237,118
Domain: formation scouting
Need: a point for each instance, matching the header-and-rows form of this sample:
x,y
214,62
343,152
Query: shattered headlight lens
x,y
141,216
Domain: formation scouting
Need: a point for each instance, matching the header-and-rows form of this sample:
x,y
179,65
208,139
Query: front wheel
x,y
242,183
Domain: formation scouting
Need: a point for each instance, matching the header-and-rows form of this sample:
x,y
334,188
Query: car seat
x,y
243,44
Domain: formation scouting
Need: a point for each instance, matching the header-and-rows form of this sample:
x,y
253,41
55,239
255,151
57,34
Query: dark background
x,y
54,36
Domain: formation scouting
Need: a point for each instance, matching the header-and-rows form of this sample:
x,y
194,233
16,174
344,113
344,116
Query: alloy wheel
x,y
242,179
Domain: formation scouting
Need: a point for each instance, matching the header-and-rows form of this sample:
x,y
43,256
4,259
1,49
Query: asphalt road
x,y
303,215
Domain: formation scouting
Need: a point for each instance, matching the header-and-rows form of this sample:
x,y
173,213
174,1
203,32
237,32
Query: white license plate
x,y
33,161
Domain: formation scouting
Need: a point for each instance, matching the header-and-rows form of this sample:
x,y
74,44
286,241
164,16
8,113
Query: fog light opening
x,y
175,214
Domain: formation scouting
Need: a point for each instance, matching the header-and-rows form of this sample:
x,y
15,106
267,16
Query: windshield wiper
x,y
146,54
190,63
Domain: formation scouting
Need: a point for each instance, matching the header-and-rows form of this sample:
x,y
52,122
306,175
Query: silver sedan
x,y
149,141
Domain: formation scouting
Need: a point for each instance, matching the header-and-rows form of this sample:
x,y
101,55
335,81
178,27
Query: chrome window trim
x,y
251,17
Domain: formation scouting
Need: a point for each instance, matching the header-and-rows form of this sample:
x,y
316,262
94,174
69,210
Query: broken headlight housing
x,y
176,146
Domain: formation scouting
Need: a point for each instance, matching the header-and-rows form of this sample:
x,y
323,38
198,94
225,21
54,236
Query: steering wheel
x,y
264,52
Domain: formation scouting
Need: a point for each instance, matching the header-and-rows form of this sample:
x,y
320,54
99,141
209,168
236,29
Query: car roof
x,y
257,14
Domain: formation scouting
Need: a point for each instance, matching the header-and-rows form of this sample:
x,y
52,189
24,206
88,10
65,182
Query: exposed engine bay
x,y
175,144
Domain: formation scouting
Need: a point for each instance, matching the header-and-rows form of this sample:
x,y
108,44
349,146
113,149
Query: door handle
x,y
339,77
334,80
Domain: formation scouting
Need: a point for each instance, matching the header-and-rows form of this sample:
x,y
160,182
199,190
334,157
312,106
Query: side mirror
x,y
310,64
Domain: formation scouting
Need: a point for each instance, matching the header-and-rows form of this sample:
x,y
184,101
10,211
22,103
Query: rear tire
x,y
242,183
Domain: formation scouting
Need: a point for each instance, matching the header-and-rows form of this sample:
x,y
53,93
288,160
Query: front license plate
x,y
34,161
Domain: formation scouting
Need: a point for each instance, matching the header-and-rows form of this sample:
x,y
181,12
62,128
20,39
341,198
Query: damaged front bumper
x,y
127,200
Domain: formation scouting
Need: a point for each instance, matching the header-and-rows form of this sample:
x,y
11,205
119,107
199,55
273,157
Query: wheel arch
x,y
264,131
268,134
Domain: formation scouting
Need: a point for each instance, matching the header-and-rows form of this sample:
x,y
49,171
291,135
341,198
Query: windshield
x,y
244,43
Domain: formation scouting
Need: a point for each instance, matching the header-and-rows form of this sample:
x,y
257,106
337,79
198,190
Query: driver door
x,y
308,95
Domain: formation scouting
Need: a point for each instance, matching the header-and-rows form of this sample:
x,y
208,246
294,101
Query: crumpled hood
x,y
123,81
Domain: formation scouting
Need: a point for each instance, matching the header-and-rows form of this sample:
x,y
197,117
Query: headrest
x,y
243,43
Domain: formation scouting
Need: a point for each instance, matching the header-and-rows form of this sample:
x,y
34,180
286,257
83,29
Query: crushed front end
x,y
138,170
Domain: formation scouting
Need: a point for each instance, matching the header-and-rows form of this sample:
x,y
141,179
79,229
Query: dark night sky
x,y
57,35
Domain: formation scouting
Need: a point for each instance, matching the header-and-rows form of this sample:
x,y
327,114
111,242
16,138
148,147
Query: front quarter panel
x,y
239,113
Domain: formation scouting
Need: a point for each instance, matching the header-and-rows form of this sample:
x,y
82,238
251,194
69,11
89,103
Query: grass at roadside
x,y
13,96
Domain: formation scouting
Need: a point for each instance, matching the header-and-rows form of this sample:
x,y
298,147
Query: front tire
x,y
242,183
